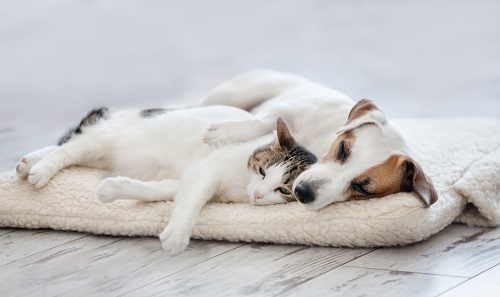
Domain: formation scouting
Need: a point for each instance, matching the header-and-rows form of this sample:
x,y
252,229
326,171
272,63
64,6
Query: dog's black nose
x,y
304,192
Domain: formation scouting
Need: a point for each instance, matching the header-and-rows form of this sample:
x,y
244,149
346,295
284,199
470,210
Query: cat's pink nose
x,y
257,195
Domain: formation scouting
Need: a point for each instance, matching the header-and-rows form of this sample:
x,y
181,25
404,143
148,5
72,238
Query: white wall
x,y
414,58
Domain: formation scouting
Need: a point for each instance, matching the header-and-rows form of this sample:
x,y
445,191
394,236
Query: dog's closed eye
x,y
343,152
360,187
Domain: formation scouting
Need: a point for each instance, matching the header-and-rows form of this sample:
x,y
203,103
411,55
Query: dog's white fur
x,y
312,111
317,116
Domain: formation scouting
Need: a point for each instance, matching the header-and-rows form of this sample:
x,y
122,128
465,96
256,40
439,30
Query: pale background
x,y
59,58
414,58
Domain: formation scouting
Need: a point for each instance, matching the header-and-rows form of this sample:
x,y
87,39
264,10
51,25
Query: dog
x,y
362,155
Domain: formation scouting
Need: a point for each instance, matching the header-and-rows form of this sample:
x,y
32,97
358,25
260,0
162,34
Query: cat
x,y
273,168
158,154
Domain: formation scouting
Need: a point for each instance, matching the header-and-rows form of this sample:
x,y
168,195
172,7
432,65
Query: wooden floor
x,y
59,59
459,261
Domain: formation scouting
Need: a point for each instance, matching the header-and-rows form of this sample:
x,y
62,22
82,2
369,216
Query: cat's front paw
x,y
109,189
39,176
227,132
174,241
219,133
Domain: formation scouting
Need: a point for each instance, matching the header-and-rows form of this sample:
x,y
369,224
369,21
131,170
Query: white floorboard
x,y
353,281
486,284
253,269
19,244
99,265
455,251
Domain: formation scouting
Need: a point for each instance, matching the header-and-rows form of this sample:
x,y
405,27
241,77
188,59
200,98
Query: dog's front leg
x,y
195,190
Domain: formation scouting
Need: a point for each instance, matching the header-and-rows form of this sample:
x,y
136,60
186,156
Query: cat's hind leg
x,y
81,144
77,151
121,187
24,166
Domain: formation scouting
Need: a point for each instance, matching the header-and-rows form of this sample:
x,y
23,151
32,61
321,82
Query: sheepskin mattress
x,y
462,156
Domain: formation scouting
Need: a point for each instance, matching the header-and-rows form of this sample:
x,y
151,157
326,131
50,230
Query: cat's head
x,y
275,166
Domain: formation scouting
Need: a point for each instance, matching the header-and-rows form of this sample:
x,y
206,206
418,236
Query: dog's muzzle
x,y
304,192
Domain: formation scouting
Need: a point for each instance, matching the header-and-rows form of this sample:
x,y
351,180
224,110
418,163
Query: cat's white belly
x,y
166,157
160,147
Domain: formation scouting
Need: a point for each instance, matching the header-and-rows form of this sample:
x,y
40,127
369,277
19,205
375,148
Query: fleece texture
x,y
462,157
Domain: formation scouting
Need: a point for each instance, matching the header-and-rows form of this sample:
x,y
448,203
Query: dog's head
x,y
368,159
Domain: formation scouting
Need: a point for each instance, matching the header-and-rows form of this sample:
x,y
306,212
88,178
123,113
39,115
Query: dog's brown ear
x,y
414,179
364,112
285,137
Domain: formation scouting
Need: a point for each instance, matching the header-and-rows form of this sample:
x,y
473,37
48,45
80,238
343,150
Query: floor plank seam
x,y
468,279
336,267
407,272
8,232
453,287
369,252
79,238
188,267
484,271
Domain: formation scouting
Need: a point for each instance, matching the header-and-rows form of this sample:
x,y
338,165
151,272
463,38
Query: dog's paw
x,y
24,166
38,176
173,241
109,189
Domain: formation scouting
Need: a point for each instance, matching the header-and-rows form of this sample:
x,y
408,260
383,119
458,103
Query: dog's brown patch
x,y
419,182
380,180
397,174
360,109
333,153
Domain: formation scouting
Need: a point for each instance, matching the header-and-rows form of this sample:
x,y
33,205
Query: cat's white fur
x,y
262,190
162,158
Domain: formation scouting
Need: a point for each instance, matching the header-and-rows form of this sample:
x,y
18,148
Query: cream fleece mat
x,y
462,156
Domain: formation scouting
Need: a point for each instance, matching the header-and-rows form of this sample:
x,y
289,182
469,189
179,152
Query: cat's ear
x,y
285,137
